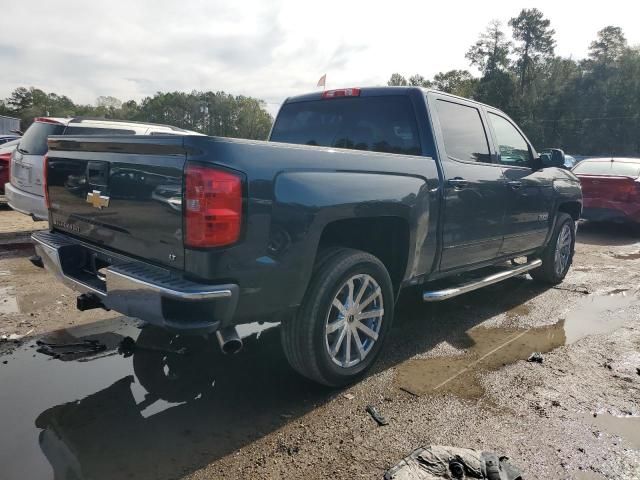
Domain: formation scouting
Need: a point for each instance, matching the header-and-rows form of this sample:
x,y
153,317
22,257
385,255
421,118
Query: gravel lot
x,y
453,373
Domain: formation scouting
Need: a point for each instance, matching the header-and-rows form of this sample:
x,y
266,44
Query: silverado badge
x,y
97,200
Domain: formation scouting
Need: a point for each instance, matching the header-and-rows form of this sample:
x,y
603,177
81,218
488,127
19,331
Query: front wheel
x,y
558,254
343,320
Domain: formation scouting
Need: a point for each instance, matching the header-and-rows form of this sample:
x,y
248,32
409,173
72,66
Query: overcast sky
x,y
133,48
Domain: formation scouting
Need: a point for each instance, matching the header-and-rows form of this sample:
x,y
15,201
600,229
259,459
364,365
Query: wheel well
x,y
387,238
572,208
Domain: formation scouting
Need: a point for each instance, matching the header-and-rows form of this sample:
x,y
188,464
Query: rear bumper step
x,y
450,292
138,289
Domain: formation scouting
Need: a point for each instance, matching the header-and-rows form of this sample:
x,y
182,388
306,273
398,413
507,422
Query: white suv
x,y
25,191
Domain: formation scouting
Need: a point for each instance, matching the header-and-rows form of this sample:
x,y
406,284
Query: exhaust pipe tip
x,y
229,340
36,260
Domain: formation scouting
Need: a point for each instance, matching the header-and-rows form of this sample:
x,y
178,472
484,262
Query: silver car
x,y
25,192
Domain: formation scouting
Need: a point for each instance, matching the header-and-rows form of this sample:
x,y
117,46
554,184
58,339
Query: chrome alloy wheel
x,y
354,320
563,249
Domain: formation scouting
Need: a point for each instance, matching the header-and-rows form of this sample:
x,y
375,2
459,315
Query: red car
x,y
5,162
610,189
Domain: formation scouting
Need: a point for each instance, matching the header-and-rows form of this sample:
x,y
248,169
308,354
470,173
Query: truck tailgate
x,y
122,193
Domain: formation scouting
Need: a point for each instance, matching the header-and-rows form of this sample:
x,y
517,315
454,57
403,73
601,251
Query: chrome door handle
x,y
457,182
515,184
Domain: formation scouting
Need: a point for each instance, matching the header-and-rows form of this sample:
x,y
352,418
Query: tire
x,y
563,240
320,322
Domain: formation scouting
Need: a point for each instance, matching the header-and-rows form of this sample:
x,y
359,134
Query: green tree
x,y
28,103
212,113
498,89
491,52
609,46
456,82
534,42
418,80
4,109
397,80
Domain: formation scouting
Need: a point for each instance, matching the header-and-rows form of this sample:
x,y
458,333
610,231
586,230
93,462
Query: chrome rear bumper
x,y
137,289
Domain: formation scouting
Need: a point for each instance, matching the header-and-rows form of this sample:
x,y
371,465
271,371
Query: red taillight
x,y
213,206
46,120
342,92
45,177
5,169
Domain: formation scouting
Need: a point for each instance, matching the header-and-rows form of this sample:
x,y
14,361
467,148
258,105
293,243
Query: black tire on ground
x,y
548,273
304,338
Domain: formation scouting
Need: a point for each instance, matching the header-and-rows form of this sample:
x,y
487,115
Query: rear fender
x,y
307,201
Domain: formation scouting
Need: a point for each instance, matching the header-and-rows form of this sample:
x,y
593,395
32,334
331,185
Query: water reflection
x,y
171,413
176,404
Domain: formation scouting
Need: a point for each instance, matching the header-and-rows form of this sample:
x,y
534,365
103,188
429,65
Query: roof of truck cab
x,y
125,122
379,91
121,123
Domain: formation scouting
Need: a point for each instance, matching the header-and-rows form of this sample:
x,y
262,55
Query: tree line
x,y
589,106
211,113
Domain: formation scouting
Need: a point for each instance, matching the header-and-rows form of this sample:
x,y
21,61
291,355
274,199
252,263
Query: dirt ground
x,y
453,373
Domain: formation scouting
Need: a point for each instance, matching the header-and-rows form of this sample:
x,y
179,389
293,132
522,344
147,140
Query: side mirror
x,y
552,157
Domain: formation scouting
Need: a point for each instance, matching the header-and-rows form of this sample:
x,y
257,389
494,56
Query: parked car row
x,y
611,186
25,190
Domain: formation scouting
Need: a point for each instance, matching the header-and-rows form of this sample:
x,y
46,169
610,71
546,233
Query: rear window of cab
x,y
379,124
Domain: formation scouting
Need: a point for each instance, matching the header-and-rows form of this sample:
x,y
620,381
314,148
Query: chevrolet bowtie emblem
x,y
97,200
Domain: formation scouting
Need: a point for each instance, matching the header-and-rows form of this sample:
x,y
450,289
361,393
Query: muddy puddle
x,y
171,405
625,427
492,348
627,256
8,300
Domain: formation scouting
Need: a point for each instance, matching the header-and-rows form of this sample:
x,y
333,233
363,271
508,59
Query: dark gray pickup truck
x,y
358,194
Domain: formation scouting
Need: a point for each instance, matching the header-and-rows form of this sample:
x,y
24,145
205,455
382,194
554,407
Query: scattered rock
x,y
349,396
535,357
14,337
377,416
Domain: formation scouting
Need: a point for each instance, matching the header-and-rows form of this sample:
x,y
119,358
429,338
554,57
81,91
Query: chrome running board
x,y
445,294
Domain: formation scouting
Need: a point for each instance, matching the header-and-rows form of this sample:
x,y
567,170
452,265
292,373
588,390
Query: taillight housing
x,y
213,206
5,169
45,178
342,92
47,120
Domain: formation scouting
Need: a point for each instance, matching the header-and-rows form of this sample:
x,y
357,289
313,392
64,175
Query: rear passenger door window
x,y
464,135
513,148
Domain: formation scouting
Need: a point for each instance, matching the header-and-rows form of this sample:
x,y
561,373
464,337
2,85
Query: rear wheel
x,y
558,254
343,320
